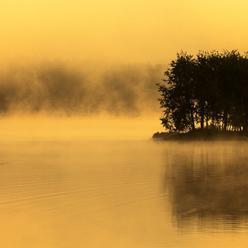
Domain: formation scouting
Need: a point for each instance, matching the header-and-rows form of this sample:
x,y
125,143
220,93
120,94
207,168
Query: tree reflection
x,y
209,184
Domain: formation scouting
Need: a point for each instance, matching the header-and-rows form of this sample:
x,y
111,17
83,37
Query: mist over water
x,y
78,167
78,107
75,90
58,194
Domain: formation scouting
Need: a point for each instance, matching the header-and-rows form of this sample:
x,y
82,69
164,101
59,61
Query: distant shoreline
x,y
200,135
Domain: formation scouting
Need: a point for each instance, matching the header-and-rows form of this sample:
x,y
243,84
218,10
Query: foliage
x,y
208,90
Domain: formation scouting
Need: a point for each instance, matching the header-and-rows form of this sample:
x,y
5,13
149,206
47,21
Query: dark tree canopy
x,y
209,90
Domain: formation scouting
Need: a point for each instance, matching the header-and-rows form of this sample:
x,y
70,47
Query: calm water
x,y
123,194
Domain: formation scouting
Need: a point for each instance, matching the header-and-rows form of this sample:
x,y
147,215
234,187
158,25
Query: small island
x,y
205,97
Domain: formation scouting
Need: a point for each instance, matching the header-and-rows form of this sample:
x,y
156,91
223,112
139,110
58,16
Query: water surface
x,y
63,194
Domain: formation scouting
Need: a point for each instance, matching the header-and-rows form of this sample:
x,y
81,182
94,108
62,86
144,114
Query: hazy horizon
x,y
94,57
117,31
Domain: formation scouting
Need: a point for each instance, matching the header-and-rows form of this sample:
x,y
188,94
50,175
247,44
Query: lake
x,y
136,194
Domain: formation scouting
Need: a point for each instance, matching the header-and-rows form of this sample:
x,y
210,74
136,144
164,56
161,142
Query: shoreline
x,y
200,135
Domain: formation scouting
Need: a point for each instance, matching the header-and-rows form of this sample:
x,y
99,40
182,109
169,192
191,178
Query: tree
x,y
206,90
176,94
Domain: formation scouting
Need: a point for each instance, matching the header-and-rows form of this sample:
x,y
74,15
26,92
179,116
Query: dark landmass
x,y
199,134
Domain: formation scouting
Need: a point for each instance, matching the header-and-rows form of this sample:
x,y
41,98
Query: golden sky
x,y
129,31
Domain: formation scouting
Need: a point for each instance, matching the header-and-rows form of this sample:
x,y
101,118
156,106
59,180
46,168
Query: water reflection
x,y
208,185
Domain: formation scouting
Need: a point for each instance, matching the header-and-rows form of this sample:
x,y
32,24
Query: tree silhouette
x,y
205,91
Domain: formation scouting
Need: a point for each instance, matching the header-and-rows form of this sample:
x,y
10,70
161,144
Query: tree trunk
x,y
245,127
225,120
192,119
207,120
202,116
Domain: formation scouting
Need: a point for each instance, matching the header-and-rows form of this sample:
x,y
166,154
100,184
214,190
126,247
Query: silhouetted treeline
x,y
208,90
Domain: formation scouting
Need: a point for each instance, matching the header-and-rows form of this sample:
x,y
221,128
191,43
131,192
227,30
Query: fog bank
x,y
59,88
